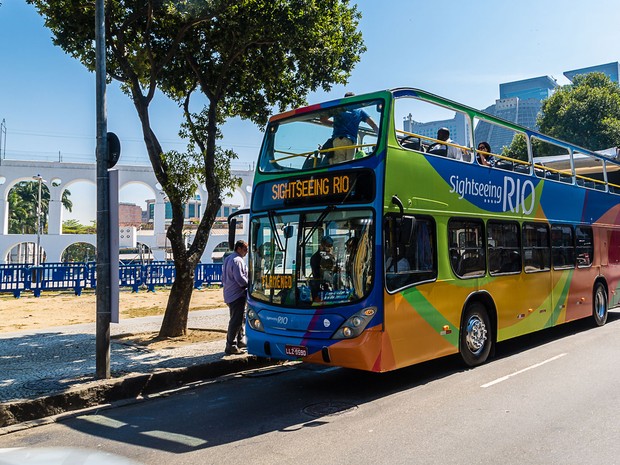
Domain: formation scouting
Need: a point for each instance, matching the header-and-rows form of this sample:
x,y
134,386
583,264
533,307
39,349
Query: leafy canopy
x,y
586,112
244,56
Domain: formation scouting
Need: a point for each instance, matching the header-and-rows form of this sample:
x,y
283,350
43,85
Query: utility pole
x,y
104,290
37,254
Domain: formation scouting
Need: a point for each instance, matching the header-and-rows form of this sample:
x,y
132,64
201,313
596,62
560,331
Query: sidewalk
x,y
51,371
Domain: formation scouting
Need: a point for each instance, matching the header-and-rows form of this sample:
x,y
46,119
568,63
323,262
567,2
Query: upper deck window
x,y
322,138
433,128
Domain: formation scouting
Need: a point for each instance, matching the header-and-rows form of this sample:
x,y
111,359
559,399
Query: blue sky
x,y
460,50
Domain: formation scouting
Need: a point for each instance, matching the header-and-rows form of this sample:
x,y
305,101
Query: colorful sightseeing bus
x,y
394,244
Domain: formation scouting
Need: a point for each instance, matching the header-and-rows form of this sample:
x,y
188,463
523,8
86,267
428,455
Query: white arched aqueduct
x,y
61,176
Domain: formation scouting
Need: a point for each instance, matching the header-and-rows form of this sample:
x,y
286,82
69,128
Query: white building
x,y
61,176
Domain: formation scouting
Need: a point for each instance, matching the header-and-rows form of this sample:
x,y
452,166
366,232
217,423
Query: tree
x,y
23,202
517,149
75,227
78,252
586,112
244,56
23,207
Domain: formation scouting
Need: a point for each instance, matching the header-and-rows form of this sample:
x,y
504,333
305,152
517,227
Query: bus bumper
x,y
362,352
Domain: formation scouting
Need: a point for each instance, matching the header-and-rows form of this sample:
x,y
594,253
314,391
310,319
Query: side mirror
x,y
232,226
288,232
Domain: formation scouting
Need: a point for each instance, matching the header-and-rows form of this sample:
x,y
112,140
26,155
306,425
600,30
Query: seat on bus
x,y
519,168
474,264
504,165
511,262
413,144
438,149
567,178
552,175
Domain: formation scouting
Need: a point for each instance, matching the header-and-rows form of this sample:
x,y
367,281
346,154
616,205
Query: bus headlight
x,y
354,326
254,320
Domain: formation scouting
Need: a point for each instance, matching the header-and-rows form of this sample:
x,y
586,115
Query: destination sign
x,y
277,281
333,188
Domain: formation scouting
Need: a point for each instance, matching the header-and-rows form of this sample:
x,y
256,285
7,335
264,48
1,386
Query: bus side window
x,y
466,245
536,256
409,251
585,247
562,246
504,247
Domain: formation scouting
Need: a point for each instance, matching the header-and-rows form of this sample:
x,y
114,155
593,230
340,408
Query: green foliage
x,y
75,227
264,53
183,172
79,252
517,148
23,201
245,56
195,130
586,112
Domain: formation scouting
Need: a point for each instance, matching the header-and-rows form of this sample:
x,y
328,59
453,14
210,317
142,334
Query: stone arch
x,y
23,251
217,256
54,242
142,183
86,253
45,191
83,196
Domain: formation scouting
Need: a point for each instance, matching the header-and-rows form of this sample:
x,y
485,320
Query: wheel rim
x,y
600,305
476,337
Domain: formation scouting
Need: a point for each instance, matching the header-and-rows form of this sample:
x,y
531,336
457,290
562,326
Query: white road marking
x,y
175,437
504,378
102,420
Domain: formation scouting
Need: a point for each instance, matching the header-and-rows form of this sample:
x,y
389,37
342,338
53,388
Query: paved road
x,y
554,403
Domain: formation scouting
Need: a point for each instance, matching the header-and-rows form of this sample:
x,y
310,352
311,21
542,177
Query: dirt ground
x,y
65,308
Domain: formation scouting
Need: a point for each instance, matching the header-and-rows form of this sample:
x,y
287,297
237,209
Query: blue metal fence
x,y
16,278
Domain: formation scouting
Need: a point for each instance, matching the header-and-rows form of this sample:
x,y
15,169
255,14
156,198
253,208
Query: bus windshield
x,y
322,138
313,258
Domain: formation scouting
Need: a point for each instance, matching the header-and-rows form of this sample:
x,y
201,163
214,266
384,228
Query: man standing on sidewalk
x,y
235,282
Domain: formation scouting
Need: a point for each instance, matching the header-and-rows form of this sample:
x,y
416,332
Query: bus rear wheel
x,y
599,305
476,335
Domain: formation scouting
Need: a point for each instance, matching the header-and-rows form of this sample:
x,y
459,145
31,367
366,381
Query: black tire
x,y
476,335
600,305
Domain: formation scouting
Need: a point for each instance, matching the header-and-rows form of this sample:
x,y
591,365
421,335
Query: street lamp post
x,y
37,255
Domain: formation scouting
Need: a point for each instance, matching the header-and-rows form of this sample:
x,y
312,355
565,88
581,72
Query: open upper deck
x,y
347,130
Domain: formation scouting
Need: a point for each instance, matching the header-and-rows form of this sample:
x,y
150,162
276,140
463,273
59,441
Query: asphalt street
x,y
49,372
547,398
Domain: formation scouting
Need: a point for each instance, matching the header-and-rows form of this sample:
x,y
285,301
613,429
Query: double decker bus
x,y
403,246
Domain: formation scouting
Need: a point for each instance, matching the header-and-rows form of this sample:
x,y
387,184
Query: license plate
x,y
296,351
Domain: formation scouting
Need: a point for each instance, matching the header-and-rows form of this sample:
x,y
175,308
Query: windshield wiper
x,y
324,213
272,223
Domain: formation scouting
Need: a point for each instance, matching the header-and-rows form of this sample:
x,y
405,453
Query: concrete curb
x,y
131,386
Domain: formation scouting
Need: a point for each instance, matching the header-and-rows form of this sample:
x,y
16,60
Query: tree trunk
x,y
177,308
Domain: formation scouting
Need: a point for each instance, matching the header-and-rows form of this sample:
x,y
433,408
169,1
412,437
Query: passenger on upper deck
x,y
443,134
346,125
484,154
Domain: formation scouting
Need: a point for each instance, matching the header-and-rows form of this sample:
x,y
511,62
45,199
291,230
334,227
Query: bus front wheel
x,y
599,305
476,335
